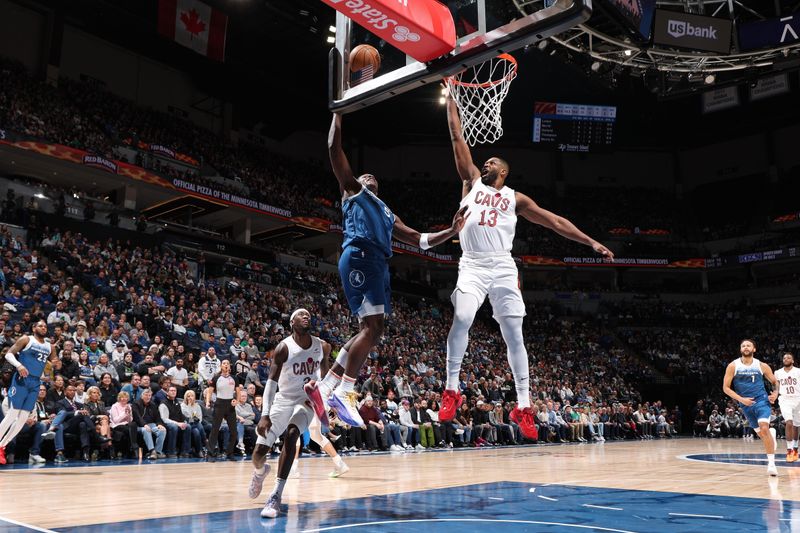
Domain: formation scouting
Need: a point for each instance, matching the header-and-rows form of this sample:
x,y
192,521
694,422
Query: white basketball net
x,y
479,92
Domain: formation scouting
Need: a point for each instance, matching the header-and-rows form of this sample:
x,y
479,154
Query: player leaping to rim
x,y
744,382
34,351
486,268
369,226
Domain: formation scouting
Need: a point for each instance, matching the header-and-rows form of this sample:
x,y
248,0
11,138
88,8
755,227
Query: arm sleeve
x,y
269,396
11,358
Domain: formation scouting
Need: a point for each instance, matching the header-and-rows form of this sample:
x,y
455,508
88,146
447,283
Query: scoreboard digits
x,y
573,127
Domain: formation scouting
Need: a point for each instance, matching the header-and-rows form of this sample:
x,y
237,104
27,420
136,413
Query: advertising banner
x,y
710,34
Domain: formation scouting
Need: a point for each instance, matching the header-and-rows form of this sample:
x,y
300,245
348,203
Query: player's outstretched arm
x,y
467,170
341,166
408,235
532,212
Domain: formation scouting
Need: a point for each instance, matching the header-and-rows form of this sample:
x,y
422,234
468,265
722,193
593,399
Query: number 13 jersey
x,y
492,222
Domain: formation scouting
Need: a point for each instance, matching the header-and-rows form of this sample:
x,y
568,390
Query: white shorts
x,y
790,408
286,412
496,277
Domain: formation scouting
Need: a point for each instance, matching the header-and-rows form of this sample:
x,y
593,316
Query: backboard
x,y
485,29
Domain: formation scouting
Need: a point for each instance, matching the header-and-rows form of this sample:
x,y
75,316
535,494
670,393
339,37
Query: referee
x,y
224,384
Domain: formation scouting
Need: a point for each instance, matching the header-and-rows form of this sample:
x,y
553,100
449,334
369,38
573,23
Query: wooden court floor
x,y
52,498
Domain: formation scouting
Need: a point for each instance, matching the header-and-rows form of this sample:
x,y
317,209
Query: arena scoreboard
x,y
573,127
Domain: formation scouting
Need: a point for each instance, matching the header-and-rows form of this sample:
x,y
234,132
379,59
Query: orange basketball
x,y
363,55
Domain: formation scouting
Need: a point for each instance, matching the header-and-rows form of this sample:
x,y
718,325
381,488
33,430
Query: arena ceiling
x,y
276,74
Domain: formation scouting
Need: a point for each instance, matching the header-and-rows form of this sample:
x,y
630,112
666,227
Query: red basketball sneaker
x,y
451,401
524,419
2,456
316,402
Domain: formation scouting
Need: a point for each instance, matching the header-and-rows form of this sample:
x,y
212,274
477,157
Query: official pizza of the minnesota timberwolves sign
x,y
356,278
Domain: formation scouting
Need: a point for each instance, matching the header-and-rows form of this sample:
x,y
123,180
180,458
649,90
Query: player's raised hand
x,y
607,254
459,219
22,371
747,402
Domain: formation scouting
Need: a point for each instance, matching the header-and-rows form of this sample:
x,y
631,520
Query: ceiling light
x,y
331,39
595,66
442,100
40,195
709,79
543,44
628,53
332,29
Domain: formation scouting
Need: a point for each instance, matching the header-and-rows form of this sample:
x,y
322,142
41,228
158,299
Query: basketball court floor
x,y
675,485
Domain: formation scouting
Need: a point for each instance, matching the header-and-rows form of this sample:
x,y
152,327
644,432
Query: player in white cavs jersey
x,y
297,360
789,401
486,268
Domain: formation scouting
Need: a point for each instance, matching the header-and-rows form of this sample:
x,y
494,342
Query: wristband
x,y
423,241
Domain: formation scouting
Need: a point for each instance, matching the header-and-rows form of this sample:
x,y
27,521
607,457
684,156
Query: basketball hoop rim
x,y
510,75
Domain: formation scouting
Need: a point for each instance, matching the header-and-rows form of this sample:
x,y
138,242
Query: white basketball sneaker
x,y
772,470
346,405
257,482
273,507
339,470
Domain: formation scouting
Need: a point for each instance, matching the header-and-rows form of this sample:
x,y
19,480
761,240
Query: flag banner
x,y
195,25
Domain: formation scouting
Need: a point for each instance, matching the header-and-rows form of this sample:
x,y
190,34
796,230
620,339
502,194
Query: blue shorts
x,y
23,392
365,277
760,410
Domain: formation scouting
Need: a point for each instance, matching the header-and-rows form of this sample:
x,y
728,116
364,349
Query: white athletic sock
x,y
338,461
348,384
341,359
279,483
511,328
771,458
261,470
330,381
465,306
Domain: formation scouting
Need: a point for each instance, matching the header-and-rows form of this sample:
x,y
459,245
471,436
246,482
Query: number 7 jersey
x,y
492,222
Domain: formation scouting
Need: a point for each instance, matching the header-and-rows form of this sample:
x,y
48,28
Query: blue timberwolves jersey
x,y
367,221
34,356
748,380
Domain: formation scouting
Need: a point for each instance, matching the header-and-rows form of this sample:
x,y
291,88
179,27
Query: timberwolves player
x,y
34,351
486,268
369,226
744,382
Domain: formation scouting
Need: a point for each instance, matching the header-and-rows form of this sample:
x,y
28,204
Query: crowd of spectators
x,y
85,114
139,336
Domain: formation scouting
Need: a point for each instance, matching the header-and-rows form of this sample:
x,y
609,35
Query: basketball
x,y
363,55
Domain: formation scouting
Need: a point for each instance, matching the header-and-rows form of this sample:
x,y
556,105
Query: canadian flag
x,y
195,25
